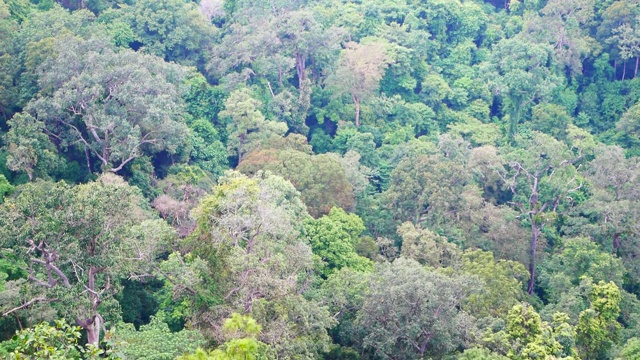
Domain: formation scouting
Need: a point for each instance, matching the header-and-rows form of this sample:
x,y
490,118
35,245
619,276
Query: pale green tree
x,y
29,148
411,313
359,71
248,126
114,106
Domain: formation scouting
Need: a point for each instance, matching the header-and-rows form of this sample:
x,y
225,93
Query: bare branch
x,y
27,304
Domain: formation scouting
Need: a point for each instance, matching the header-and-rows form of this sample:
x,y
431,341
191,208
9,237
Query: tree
x,y
8,93
59,341
411,313
359,70
521,77
578,258
115,106
306,40
248,127
627,38
610,211
480,354
245,223
631,349
598,327
29,148
426,247
333,238
563,25
172,29
534,339
250,232
433,190
242,344
343,293
502,288
77,242
154,340
321,179
541,176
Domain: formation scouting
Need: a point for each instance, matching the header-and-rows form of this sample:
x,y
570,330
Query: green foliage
x,y
480,354
404,306
172,29
502,283
321,179
60,228
580,257
597,327
154,340
44,341
526,336
631,349
128,105
333,238
29,148
247,127
5,187
242,331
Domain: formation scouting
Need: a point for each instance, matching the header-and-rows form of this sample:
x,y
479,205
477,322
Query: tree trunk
x,y
93,331
514,118
240,143
92,325
635,72
624,69
532,256
616,243
86,154
300,69
356,101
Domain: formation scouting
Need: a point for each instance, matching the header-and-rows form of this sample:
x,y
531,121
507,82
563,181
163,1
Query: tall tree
x,y
29,148
321,179
541,175
522,77
359,71
248,126
250,231
411,313
78,242
172,29
564,24
115,106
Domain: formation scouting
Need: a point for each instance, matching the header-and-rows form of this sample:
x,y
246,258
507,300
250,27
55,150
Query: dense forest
x,y
320,179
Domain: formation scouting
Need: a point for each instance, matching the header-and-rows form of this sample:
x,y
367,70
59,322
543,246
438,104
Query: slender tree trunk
x,y
86,154
514,119
356,101
635,72
300,69
93,324
240,143
624,69
535,232
532,256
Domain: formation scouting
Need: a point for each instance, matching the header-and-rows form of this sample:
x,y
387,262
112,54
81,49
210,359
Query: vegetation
x,y
338,180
